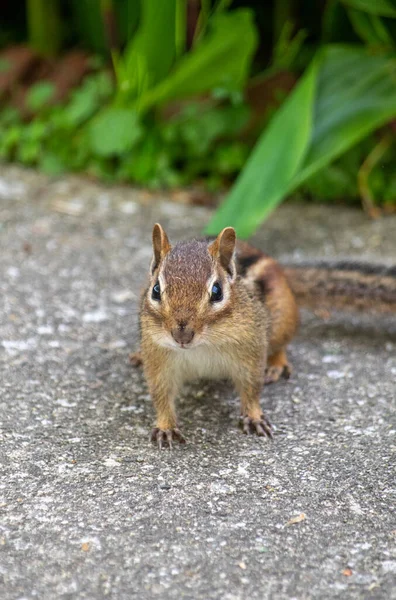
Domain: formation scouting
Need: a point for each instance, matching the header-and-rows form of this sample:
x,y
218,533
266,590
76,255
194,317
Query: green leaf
x,y
334,107
51,164
334,181
356,95
114,132
87,99
39,95
370,28
151,53
196,129
10,139
219,60
274,162
383,8
140,166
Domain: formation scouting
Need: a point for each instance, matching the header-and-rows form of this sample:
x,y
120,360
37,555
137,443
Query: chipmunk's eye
x,y
217,293
156,293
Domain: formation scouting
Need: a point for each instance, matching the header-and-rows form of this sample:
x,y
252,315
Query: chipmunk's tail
x,y
344,285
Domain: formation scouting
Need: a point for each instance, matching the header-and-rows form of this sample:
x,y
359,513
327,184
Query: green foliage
x,y
272,165
345,94
45,26
218,60
117,144
114,132
314,143
39,95
150,54
384,8
370,28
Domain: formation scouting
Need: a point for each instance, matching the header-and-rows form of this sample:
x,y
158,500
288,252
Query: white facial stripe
x,y
161,281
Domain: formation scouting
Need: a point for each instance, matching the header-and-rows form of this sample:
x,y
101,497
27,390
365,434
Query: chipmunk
x,y
221,309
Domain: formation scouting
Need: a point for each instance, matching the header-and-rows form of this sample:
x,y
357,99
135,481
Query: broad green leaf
x,y
350,95
383,8
356,95
274,162
220,59
114,132
151,53
39,95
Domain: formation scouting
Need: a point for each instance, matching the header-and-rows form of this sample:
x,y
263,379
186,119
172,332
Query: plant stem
x,y
44,26
364,173
110,24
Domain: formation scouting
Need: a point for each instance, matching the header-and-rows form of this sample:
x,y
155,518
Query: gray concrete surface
x,y
90,510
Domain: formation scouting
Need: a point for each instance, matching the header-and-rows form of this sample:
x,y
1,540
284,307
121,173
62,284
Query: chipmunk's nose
x,y
182,333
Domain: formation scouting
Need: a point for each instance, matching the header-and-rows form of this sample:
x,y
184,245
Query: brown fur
x,y
231,337
344,285
243,337
265,275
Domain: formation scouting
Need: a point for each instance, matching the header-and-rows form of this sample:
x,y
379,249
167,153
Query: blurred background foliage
x,y
287,97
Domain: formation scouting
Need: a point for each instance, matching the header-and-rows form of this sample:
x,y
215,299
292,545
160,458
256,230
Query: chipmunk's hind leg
x,y
273,289
278,366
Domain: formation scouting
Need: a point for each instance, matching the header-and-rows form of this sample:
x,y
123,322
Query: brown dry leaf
x,y
297,519
347,572
85,546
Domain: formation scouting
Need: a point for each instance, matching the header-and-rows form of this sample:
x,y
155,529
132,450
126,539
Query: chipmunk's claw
x,y
262,427
167,436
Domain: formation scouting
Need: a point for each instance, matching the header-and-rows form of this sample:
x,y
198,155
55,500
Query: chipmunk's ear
x,y
161,246
223,249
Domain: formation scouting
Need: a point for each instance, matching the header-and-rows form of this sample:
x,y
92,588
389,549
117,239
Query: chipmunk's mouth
x,y
186,346
167,340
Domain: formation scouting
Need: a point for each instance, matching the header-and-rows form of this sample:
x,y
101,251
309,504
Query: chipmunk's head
x,y
191,288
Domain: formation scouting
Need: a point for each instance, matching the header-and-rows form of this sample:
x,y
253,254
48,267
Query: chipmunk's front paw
x,y
261,426
167,436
